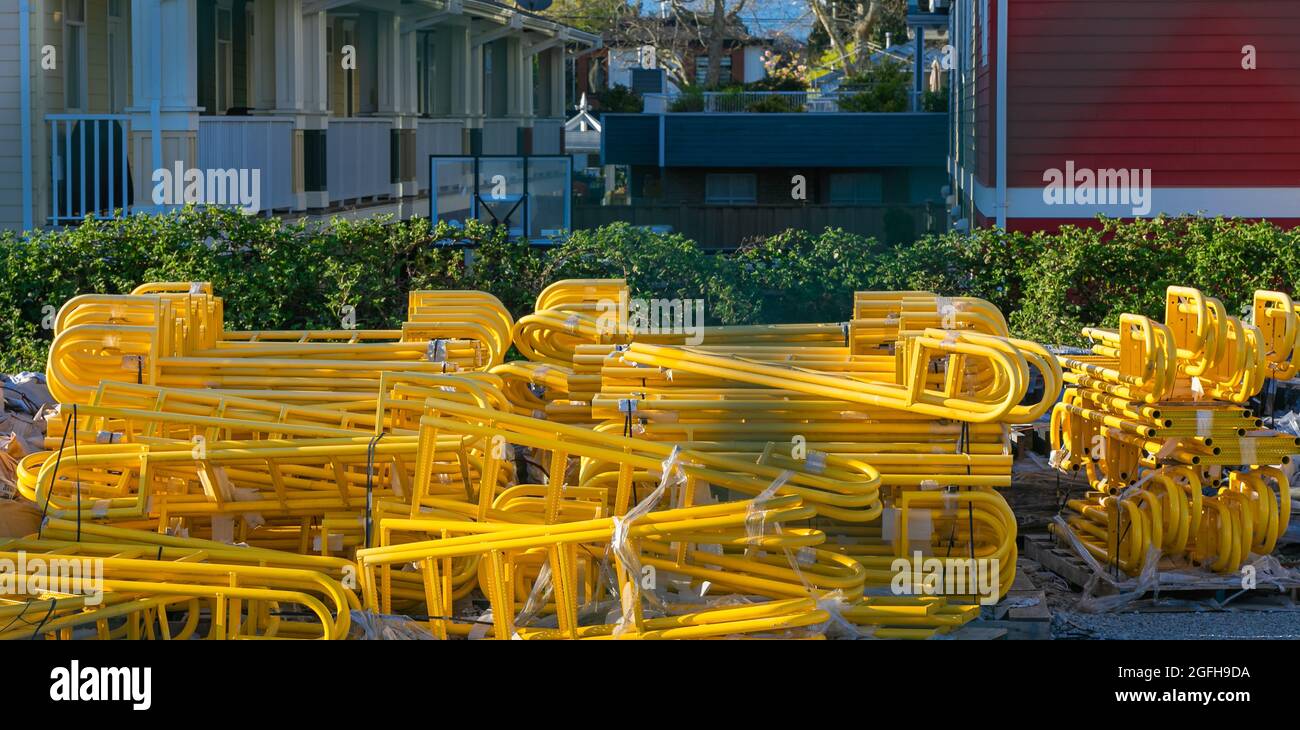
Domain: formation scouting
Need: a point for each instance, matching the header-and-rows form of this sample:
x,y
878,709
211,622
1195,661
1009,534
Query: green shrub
x,y
619,99
776,104
277,275
689,99
935,101
883,87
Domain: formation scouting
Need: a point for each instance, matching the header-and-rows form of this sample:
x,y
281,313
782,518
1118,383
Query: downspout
x,y
25,82
1002,114
155,104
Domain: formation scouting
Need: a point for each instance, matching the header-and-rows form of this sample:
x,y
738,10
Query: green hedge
x,y
297,275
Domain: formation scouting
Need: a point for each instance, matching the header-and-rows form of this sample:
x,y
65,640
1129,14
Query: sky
x,y
767,17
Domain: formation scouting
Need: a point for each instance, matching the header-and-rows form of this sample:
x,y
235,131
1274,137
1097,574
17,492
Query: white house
x,y
330,102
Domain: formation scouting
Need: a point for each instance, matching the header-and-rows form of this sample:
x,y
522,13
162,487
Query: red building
x,y
1067,109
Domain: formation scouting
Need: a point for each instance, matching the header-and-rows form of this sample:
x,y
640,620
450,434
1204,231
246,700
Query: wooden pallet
x,y
1063,561
1023,613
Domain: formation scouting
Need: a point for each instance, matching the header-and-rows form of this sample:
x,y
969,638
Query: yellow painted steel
x,y
162,336
1153,420
774,481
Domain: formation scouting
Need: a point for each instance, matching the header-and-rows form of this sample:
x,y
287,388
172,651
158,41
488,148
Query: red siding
x,y
1155,84
1053,225
986,81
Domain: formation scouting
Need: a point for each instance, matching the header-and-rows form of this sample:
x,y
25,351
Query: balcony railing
x,y
264,144
736,102
548,135
359,157
436,137
500,136
90,170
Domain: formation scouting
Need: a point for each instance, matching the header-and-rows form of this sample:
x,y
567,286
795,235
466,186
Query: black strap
x,y
76,454
58,459
370,484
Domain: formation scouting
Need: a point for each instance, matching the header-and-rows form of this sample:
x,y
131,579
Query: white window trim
x,y
79,104
117,72
227,94
984,32
730,198
854,199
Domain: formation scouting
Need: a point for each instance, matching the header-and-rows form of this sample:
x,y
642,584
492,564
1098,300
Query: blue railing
x,y
90,171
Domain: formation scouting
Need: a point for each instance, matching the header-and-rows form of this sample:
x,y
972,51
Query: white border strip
x,y
1228,202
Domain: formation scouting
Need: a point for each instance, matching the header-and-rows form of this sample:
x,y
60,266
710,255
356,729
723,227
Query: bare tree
x,y
722,23
690,27
851,22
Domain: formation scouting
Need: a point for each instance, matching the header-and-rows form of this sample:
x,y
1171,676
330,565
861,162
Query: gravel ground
x,y
1035,496
1248,624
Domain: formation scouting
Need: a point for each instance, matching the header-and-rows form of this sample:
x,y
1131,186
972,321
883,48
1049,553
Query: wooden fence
x,y
729,226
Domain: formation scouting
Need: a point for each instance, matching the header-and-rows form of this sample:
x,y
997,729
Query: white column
x,y
164,93
289,57
519,81
279,53
315,76
552,67
460,67
397,58
390,63
315,105
264,55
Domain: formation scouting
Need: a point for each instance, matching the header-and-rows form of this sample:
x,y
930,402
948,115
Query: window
x,y
117,65
225,34
984,32
250,56
731,188
702,69
425,72
349,37
489,99
330,76
596,77
74,54
856,188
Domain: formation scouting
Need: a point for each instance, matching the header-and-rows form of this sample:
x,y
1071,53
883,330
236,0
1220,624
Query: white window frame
x,y
81,70
732,196
835,192
425,54
331,73
349,38
984,32
702,69
117,50
250,92
223,98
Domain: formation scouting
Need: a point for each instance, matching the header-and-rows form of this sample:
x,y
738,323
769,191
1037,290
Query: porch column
x,y
474,101
918,78
519,91
551,81
315,116
288,72
397,100
164,97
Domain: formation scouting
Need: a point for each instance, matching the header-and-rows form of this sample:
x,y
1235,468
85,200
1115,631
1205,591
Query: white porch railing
x,y
500,136
734,102
359,156
436,137
575,141
547,136
89,166
264,144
